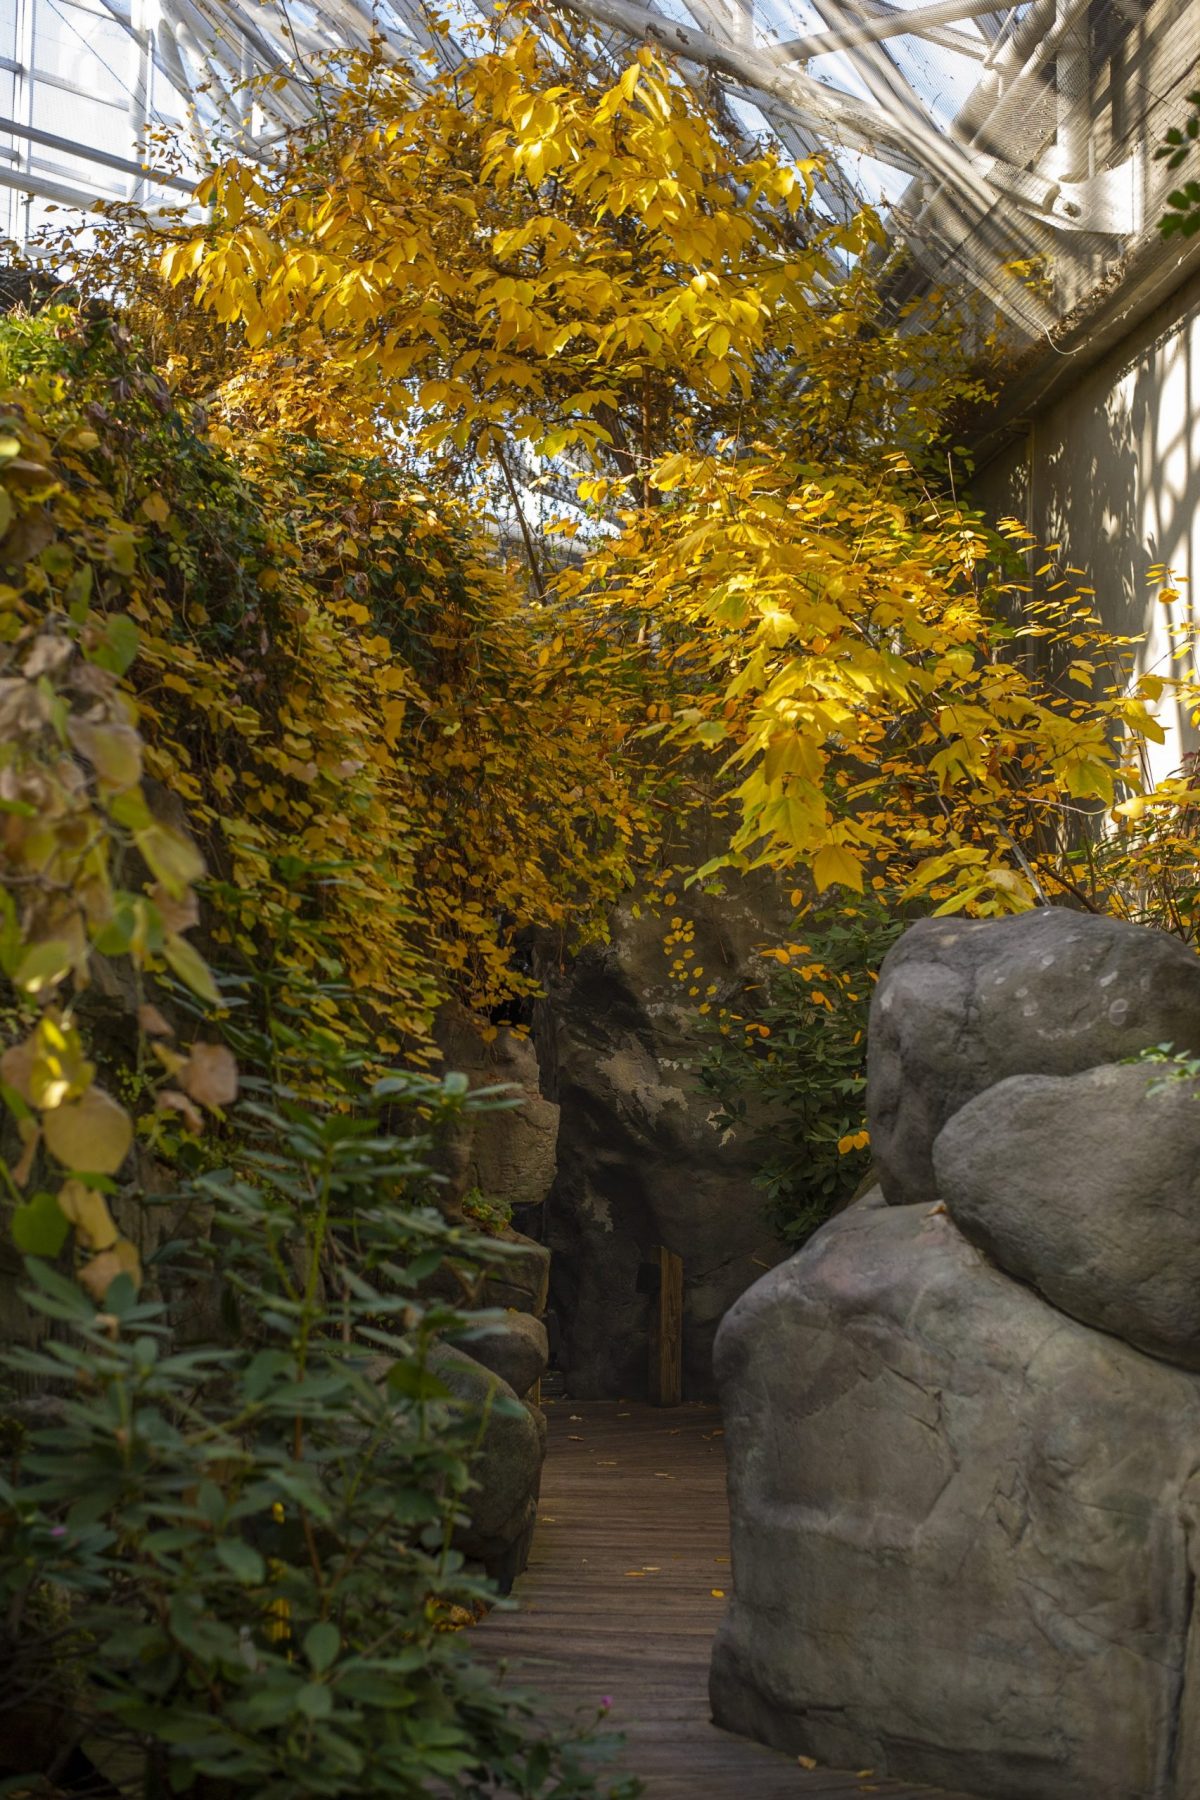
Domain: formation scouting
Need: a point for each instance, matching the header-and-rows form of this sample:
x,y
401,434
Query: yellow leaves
x,y
93,1133
171,857
45,965
1088,779
87,1210
836,866
186,962
853,1140
59,1070
113,748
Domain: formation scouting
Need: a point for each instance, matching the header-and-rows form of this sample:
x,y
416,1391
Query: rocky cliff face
x,y
641,1161
965,1500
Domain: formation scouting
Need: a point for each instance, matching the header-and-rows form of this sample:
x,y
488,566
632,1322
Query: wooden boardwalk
x,y
627,1581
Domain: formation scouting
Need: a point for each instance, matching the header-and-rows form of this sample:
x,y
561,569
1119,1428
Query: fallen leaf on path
x,y
807,1762
718,1593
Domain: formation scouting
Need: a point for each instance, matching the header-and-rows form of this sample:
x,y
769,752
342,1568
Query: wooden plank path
x,y
628,1578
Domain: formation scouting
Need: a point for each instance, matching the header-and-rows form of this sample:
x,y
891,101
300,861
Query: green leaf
x,y
44,966
315,1701
12,943
131,811
190,967
39,1227
321,1645
171,858
409,1381
79,593
242,1560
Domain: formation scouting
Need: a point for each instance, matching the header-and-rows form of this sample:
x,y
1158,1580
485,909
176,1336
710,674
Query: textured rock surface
x,y
516,1348
1088,1186
523,1279
641,1161
964,1526
507,1154
507,1466
961,1004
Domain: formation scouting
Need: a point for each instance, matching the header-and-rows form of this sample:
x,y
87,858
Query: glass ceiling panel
x,y
988,136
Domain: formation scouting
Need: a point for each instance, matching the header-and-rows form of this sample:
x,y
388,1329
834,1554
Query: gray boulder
x,y
961,1004
966,1529
1088,1186
506,1468
515,1347
506,1153
522,1279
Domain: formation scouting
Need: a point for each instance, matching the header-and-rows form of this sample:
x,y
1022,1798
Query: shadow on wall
x,y
1111,474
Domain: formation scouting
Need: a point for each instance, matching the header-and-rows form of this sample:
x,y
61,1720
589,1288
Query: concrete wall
x,y
1109,468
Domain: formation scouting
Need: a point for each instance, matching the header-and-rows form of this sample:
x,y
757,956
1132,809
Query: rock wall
x,y
962,1424
641,1162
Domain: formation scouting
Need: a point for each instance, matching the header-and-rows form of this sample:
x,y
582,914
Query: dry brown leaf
x,y
807,1762
47,656
31,1137
16,1068
171,1100
98,1275
211,1075
177,915
151,1021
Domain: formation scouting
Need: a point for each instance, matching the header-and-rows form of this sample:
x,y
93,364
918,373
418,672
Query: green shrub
x,y
229,1567
790,1065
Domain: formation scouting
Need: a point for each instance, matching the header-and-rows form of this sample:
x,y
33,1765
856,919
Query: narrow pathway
x,y
629,1574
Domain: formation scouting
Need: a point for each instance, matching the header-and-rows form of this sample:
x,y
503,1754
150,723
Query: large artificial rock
x,y
506,1468
1088,1187
961,1004
522,1279
505,1154
642,1159
514,1347
966,1529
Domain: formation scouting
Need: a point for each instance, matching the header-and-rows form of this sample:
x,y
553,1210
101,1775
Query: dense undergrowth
x,y
280,776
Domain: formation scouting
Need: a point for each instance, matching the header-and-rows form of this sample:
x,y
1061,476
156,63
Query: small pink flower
x,y
606,1703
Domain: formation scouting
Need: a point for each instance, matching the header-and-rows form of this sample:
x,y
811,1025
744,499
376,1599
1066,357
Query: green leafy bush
x,y
227,1569
1182,218
790,1065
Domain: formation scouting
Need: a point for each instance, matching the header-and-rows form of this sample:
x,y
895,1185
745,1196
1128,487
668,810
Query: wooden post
x,y
666,1347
